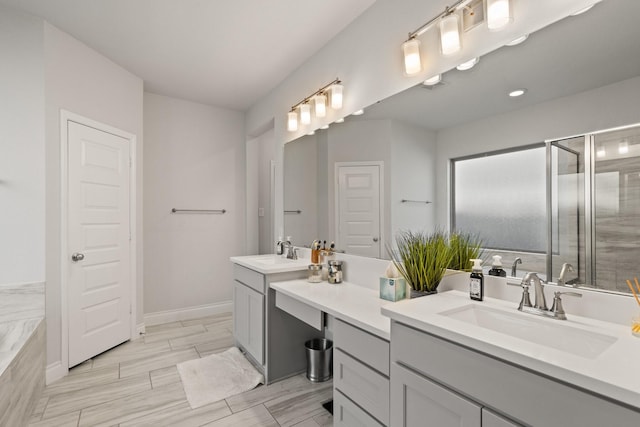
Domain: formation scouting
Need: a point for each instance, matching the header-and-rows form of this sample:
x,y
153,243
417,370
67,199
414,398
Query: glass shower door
x,y
567,209
616,208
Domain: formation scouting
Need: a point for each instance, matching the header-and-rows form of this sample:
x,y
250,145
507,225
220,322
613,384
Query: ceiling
x,y
223,53
579,53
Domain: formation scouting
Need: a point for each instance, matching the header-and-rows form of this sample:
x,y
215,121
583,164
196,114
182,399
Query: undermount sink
x,y
546,332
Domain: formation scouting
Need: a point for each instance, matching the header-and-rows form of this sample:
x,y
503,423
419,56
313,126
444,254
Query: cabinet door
x,y
348,414
491,419
248,316
418,401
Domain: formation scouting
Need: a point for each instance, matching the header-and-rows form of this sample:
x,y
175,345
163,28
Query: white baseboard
x,y
188,313
55,371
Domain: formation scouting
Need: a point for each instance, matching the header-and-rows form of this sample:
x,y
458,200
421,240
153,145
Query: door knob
x,y
77,256
375,239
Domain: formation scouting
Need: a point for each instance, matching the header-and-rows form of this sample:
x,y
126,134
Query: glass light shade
x,y
601,152
412,61
433,80
623,147
519,40
450,42
320,105
305,114
292,121
336,96
498,14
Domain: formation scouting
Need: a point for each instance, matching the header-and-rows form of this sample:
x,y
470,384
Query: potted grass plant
x,y
422,259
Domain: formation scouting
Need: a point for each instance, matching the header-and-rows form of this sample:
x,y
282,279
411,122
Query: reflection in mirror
x,y
593,56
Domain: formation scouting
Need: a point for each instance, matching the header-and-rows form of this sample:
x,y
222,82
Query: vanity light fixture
x,y
449,25
336,96
433,80
498,14
517,92
319,99
468,64
412,60
358,113
601,152
623,147
305,114
320,102
292,121
519,40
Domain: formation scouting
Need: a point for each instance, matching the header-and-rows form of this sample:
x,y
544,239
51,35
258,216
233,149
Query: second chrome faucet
x,y
539,307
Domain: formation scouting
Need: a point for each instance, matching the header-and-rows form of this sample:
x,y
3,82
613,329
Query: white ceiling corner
x,y
223,53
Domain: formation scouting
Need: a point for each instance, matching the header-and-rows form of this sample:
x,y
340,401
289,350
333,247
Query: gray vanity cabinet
x,y
438,382
248,320
272,339
360,377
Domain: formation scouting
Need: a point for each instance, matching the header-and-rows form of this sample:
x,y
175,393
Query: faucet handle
x,y
556,308
526,299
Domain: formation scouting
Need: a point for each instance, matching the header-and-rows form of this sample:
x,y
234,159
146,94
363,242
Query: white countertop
x,y
354,304
614,373
269,264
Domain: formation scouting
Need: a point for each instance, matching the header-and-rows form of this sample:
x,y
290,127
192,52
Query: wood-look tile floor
x,y
137,384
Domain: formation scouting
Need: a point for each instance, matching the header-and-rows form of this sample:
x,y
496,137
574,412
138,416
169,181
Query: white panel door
x,y
358,208
99,286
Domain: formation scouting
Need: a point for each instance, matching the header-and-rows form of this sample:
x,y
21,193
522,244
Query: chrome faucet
x,y
540,306
566,267
538,288
292,253
517,261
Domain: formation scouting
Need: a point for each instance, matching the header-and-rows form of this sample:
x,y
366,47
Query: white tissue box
x,y
393,289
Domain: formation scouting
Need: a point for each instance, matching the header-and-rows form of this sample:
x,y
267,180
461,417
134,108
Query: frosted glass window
x,y
502,198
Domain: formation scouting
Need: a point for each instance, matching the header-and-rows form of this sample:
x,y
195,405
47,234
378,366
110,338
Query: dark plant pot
x,y
418,294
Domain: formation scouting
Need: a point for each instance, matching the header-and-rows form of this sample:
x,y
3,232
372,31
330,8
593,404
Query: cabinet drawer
x,y
362,345
348,414
364,386
504,387
251,278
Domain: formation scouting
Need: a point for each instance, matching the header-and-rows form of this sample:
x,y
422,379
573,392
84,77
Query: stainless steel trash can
x,y
319,359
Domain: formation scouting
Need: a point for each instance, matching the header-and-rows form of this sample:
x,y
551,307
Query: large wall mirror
x,y
358,182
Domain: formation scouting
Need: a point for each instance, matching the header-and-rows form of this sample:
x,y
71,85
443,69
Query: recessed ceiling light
x,y
340,120
519,40
469,64
358,113
324,127
517,92
583,10
433,80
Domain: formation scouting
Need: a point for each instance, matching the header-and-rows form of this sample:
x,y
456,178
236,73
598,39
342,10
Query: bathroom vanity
x,y
271,338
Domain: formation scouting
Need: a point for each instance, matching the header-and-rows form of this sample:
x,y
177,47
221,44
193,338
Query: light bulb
x,y
320,105
450,34
498,14
292,121
336,96
305,114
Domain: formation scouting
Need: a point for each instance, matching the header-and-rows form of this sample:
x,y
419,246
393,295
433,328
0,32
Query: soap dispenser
x,y
476,281
496,267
